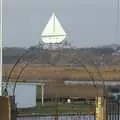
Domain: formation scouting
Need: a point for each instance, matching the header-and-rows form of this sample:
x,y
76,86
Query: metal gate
x,y
114,108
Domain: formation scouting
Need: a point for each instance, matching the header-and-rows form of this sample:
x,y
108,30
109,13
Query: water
x,y
81,117
99,82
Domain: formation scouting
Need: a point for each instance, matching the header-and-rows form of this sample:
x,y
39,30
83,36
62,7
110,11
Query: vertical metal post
x,y
56,108
42,93
118,22
118,111
5,108
13,108
1,20
101,108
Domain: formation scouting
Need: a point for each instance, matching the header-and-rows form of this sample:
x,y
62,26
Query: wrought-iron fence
x,y
113,114
113,109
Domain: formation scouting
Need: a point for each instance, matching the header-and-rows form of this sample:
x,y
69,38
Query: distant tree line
x,y
11,54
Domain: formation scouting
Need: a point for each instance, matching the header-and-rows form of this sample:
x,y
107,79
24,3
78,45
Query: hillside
x,y
105,56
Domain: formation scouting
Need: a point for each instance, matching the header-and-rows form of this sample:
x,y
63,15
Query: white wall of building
x,y
25,94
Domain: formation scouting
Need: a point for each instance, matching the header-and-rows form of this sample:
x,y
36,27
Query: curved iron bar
x,y
27,52
90,75
95,66
98,72
56,97
85,67
13,67
18,60
100,75
4,90
19,75
97,69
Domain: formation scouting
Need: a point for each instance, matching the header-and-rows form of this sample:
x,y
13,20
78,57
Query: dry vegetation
x,y
60,90
62,73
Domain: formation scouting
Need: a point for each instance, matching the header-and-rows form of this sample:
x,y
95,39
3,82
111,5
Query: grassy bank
x,y
51,109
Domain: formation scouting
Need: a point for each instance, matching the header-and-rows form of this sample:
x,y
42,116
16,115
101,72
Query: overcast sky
x,y
87,22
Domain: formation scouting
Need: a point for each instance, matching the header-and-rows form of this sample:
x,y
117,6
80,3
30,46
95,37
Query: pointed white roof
x,y
53,31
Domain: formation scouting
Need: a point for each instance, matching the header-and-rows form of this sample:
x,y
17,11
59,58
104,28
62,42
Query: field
x,y
45,72
53,77
35,73
52,109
